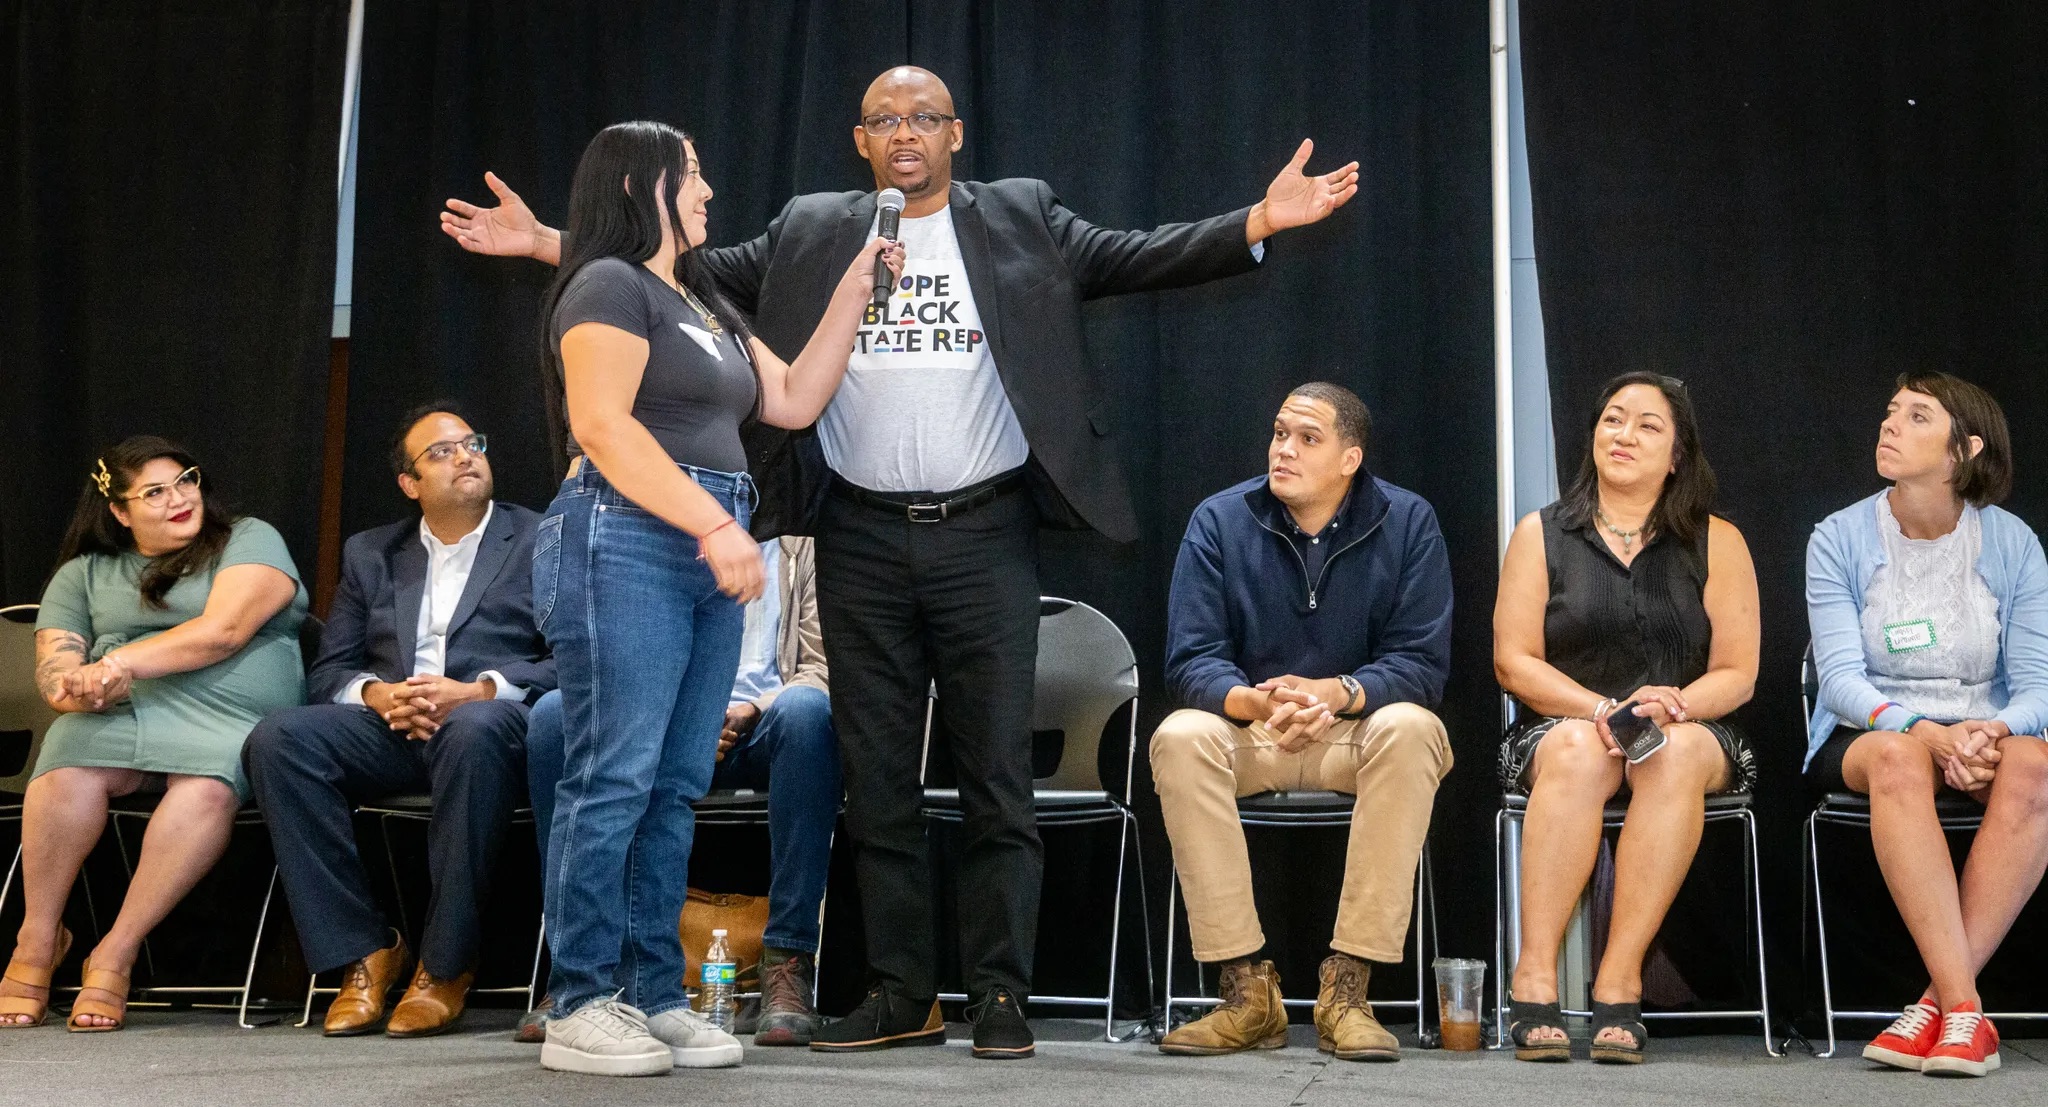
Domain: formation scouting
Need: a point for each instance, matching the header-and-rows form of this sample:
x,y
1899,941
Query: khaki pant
x,y
1392,760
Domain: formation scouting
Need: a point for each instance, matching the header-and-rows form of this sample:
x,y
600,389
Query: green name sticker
x,y
1907,637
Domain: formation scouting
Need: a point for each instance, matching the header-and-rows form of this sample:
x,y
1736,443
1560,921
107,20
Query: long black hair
x,y
623,194
1687,498
94,529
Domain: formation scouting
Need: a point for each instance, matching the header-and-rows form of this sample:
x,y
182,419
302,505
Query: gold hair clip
x,y
104,479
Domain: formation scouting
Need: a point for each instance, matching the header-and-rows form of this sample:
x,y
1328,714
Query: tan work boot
x,y
1251,1015
1345,1025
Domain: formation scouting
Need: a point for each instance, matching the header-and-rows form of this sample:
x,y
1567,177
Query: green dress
x,y
186,723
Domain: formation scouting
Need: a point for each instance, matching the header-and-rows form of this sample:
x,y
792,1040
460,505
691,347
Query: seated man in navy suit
x,y
428,665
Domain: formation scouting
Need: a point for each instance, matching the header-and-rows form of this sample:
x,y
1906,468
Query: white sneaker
x,y
604,1038
695,1043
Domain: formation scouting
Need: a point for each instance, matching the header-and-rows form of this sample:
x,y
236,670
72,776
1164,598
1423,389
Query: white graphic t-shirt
x,y
922,408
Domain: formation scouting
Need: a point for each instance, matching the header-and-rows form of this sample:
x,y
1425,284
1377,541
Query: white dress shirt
x,y
448,568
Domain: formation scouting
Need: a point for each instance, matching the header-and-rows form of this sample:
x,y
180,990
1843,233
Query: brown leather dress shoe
x,y
430,1005
533,1026
365,987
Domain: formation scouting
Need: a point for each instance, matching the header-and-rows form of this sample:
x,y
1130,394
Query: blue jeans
x,y
793,753
645,648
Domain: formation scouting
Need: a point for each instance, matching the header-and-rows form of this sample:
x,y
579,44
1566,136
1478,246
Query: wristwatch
x,y
1354,692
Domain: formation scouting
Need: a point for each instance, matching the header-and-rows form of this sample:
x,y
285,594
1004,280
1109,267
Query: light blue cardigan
x,y
1841,557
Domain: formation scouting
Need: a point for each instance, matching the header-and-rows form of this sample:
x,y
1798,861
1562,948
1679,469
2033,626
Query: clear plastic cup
x,y
1460,982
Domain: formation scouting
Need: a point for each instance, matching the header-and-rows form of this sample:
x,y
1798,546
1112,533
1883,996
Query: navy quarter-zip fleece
x,y
1244,610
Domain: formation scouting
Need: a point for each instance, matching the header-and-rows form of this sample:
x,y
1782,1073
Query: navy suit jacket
x,y
374,625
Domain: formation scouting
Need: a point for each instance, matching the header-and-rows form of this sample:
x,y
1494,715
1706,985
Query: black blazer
x,y
1031,262
374,625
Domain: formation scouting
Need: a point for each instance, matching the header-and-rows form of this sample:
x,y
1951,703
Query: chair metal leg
x,y
1756,902
8,885
1172,906
397,885
1820,925
312,987
1421,879
256,948
540,946
1500,925
1116,919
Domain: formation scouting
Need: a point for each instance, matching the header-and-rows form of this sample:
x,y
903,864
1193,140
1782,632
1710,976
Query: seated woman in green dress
x,y
167,631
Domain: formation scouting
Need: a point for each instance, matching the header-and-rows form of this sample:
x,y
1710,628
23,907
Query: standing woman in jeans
x,y
639,570
1929,607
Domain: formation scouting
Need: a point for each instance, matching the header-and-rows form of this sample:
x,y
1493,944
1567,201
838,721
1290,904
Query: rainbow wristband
x,y
1881,709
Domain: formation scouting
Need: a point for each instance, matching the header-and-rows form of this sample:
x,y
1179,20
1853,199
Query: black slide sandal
x,y
1525,1017
1627,1017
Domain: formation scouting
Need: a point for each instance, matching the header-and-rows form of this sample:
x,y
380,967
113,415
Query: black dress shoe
x,y
883,1020
1000,1032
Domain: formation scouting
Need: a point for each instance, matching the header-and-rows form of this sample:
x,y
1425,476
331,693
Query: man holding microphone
x,y
968,418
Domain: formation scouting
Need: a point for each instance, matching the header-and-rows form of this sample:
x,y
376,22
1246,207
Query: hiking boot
x,y
1345,1026
1251,1015
787,1018
883,1020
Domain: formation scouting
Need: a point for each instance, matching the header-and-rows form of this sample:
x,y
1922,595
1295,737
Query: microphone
x,y
890,205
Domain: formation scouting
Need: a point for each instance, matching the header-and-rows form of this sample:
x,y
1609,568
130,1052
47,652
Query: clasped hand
x,y
1967,751
93,687
418,705
1659,703
1295,713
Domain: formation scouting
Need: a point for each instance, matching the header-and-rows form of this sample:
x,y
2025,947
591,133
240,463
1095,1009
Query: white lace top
x,y
1930,623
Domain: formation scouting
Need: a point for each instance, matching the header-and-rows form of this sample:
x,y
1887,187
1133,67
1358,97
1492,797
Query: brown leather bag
x,y
743,918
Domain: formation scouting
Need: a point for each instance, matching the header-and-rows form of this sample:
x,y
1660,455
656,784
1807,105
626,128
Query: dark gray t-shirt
x,y
699,385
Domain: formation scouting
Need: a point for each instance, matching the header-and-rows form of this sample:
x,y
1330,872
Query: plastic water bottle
x,y
720,974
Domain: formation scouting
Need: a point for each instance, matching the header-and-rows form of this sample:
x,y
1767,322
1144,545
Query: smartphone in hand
x,y
1637,736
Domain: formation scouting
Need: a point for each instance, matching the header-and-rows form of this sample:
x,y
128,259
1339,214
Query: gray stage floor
x,y
199,1057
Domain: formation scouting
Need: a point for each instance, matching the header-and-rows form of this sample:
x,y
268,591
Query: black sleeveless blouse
x,y
1615,628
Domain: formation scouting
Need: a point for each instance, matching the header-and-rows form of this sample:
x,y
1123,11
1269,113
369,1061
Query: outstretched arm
x,y
508,230
1296,200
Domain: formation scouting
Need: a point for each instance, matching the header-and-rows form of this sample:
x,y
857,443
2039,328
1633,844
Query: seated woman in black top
x,y
1625,591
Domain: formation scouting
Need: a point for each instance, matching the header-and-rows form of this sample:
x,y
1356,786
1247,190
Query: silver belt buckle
x,y
925,513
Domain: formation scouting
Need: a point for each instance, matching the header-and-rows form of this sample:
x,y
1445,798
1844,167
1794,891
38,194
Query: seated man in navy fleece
x,y
1309,636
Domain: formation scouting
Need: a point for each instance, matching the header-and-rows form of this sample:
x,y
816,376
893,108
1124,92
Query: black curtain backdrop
x,y
1786,205
169,217
1138,114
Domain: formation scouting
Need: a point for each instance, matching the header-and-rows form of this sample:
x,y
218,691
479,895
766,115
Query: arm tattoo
x,y
57,653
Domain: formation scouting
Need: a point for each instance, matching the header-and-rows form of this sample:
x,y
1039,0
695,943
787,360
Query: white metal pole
x,y
351,76
1503,282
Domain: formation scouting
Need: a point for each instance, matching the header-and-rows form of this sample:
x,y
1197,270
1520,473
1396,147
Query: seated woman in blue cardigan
x,y
1929,607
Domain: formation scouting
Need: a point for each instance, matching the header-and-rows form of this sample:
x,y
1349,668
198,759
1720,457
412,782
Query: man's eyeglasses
x,y
474,445
156,495
922,122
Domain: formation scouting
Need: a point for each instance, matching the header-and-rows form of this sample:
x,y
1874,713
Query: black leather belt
x,y
931,507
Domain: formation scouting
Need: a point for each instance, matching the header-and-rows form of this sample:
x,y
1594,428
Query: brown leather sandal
x,y
32,976
100,980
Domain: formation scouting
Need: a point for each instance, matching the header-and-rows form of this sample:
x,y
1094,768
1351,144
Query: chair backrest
x,y
1086,672
1809,687
23,714
309,640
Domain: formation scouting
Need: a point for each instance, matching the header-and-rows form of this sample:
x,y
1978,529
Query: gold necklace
x,y
1628,537
710,321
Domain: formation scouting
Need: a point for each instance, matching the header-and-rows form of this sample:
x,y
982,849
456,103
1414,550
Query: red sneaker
x,y
1906,1042
1968,1046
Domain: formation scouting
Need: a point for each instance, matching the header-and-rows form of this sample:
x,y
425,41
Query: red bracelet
x,y
714,530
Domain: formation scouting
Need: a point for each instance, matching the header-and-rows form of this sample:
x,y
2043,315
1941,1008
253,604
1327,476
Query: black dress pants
x,y
311,766
903,604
